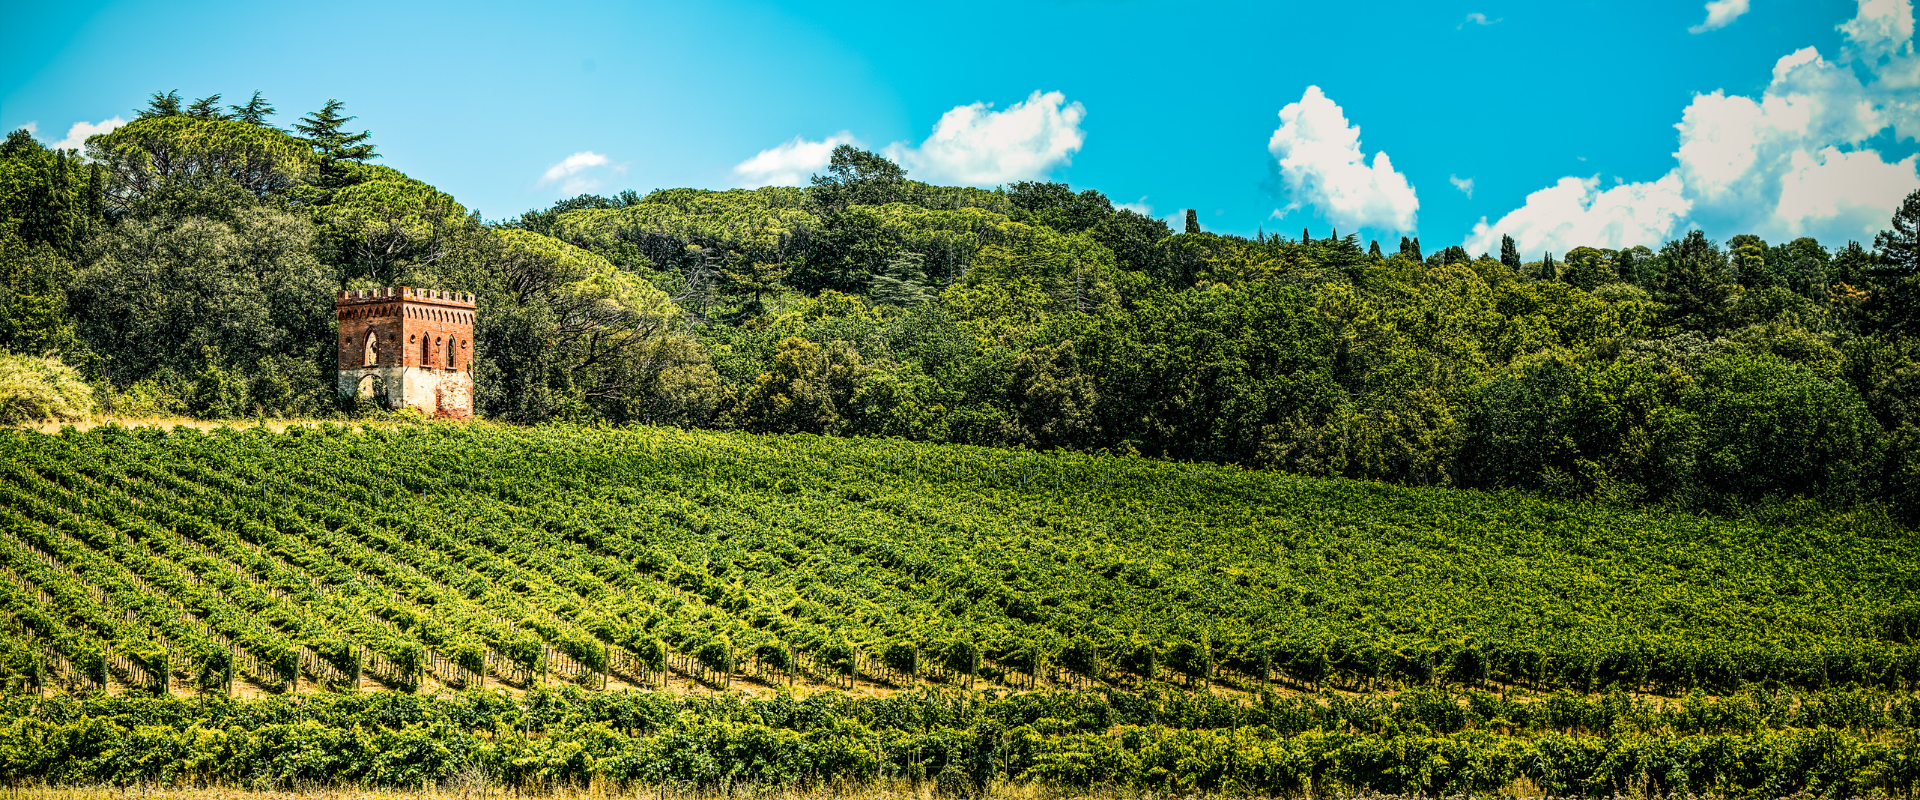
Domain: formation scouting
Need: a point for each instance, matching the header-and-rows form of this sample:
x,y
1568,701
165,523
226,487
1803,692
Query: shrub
x,y
33,389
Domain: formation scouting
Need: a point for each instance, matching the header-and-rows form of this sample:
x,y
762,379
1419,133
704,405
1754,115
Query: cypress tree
x,y
1373,248
1193,221
1416,250
1509,252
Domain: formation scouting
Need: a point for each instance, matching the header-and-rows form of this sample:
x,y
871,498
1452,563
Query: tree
x,y
162,104
752,279
141,156
1509,252
1052,398
387,222
255,112
1747,258
1629,262
179,277
563,332
338,150
806,390
1899,248
206,108
1193,221
1694,284
1056,206
1373,249
1768,427
1588,269
902,283
1416,250
857,177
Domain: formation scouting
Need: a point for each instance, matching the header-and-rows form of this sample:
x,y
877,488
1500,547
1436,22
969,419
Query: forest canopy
x,y
185,263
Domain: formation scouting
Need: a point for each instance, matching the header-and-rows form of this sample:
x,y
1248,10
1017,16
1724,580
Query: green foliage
x,y
142,157
1900,246
36,389
383,224
1694,284
228,280
337,152
1765,427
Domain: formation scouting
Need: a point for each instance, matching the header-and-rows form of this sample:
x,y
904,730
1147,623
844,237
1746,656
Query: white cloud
x,y
1720,14
1463,184
580,173
978,146
1791,161
790,163
1573,213
1878,30
1476,18
1140,206
78,133
1322,166
31,127
1851,194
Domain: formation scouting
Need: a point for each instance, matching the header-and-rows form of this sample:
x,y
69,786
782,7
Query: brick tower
x,y
408,347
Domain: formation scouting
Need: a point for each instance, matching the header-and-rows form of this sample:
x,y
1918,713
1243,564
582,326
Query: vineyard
x,y
880,608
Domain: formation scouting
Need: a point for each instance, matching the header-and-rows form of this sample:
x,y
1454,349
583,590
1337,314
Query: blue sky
x,y
1562,115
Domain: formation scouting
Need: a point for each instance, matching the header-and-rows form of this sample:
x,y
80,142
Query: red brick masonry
x,y
408,346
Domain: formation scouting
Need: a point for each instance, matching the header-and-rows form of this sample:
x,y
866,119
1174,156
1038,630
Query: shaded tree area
x,y
186,261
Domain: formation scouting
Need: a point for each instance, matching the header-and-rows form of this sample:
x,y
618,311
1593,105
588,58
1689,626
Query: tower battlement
x,y
408,346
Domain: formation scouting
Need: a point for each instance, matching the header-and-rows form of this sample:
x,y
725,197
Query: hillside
x,y
484,605
1687,374
430,555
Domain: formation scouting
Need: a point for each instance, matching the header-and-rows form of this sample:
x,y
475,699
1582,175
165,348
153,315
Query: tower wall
x,y
405,346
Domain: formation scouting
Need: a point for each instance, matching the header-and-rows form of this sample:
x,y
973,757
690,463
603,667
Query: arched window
x,y
426,350
453,360
372,355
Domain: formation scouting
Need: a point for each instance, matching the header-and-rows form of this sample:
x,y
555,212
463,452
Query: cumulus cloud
x,y
1140,206
1879,29
1848,193
1322,165
971,144
1476,18
78,133
1574,212
1720,14
31,127
790,163
1463,184
1792,161
975,145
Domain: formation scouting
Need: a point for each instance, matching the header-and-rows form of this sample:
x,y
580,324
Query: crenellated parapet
x,y
407,293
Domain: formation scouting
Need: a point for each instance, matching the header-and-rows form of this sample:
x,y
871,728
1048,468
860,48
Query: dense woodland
x,y
186,263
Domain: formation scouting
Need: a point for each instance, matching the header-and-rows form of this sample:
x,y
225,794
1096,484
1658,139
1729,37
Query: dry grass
x,y
479,791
